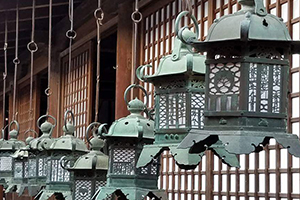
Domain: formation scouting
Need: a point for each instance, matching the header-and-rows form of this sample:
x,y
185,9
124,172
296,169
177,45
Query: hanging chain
x,y
99,15
32,48
48,90
5,71
136,17
16,61
71,34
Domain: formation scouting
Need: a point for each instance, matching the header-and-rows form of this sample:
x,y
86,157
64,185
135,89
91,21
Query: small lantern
x,y
246,81
125,140
59,181
89,169
7,149
20,168
38,155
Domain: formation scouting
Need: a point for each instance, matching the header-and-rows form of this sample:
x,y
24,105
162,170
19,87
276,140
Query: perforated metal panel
x,y
83,189
5,163
18,170
123,161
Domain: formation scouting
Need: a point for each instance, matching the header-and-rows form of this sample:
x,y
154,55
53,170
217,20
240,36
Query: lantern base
x,y
128,193
239,142
46,194
183,159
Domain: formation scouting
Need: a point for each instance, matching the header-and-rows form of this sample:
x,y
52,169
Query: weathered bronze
x,y
246,82
125,140
89,169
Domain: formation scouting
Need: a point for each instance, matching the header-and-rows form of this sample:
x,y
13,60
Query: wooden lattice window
x,y
270,174
77,87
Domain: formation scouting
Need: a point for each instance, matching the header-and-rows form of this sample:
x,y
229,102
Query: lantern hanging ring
x,y
17,125
66,116
31,131
178,32
136,86
136,16
45,116
93,127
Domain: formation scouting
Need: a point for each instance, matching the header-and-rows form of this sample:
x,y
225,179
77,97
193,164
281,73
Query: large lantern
x,y
89,169
7,149
179,101
125,140
59,181
247,82
20,168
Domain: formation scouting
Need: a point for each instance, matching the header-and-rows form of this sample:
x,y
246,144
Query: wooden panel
x,y
270,174
76,87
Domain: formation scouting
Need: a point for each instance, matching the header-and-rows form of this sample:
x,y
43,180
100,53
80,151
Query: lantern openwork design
x,y
7,149
125,140
20,168
60,181
90,169
247,70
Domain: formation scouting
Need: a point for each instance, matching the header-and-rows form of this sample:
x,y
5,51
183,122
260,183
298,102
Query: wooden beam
x,y
124,57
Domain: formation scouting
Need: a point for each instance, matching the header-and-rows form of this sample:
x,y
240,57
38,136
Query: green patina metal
x,y
125,140
7,149
247,69
179,100
89,169
59,181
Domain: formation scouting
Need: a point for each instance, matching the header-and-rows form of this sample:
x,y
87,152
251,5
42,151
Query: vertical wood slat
x,y
77,90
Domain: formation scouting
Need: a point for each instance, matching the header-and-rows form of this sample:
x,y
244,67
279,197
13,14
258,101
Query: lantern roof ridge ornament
x,y
95,159
134,125
68,142
13,143
45,140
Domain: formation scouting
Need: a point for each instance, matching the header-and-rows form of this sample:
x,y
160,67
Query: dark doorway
x,y
107,79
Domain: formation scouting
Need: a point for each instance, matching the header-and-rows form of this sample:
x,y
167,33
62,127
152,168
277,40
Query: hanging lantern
x,y
59,181
20,167
7,149
89,169
246,80
179,101
125,140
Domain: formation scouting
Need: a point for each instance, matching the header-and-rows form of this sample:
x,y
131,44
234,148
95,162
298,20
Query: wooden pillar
x,y
124,57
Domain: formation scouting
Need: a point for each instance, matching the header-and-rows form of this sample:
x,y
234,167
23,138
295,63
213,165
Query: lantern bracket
x,y
140,71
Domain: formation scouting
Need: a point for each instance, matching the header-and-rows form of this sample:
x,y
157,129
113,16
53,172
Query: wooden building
x,y
270,174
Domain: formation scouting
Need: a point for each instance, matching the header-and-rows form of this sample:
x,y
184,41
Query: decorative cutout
x,y
276,94
123,161
197,110
252,87
5,163
83,190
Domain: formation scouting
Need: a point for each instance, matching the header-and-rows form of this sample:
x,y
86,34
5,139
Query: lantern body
x,y
247,83
179,104
7,149
59,180
125,140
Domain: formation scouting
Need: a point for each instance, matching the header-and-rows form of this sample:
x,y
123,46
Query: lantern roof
x,y
251,23
68,142
181,61
134,125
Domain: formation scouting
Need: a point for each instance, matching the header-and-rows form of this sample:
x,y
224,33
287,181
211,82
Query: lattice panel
x,y
5,163
197,108
123,161
83,189
58,174
32,167
77,87
18,170
273,180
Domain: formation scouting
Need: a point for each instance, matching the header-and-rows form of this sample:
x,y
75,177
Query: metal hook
x,y
140,71
178,32
17,125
